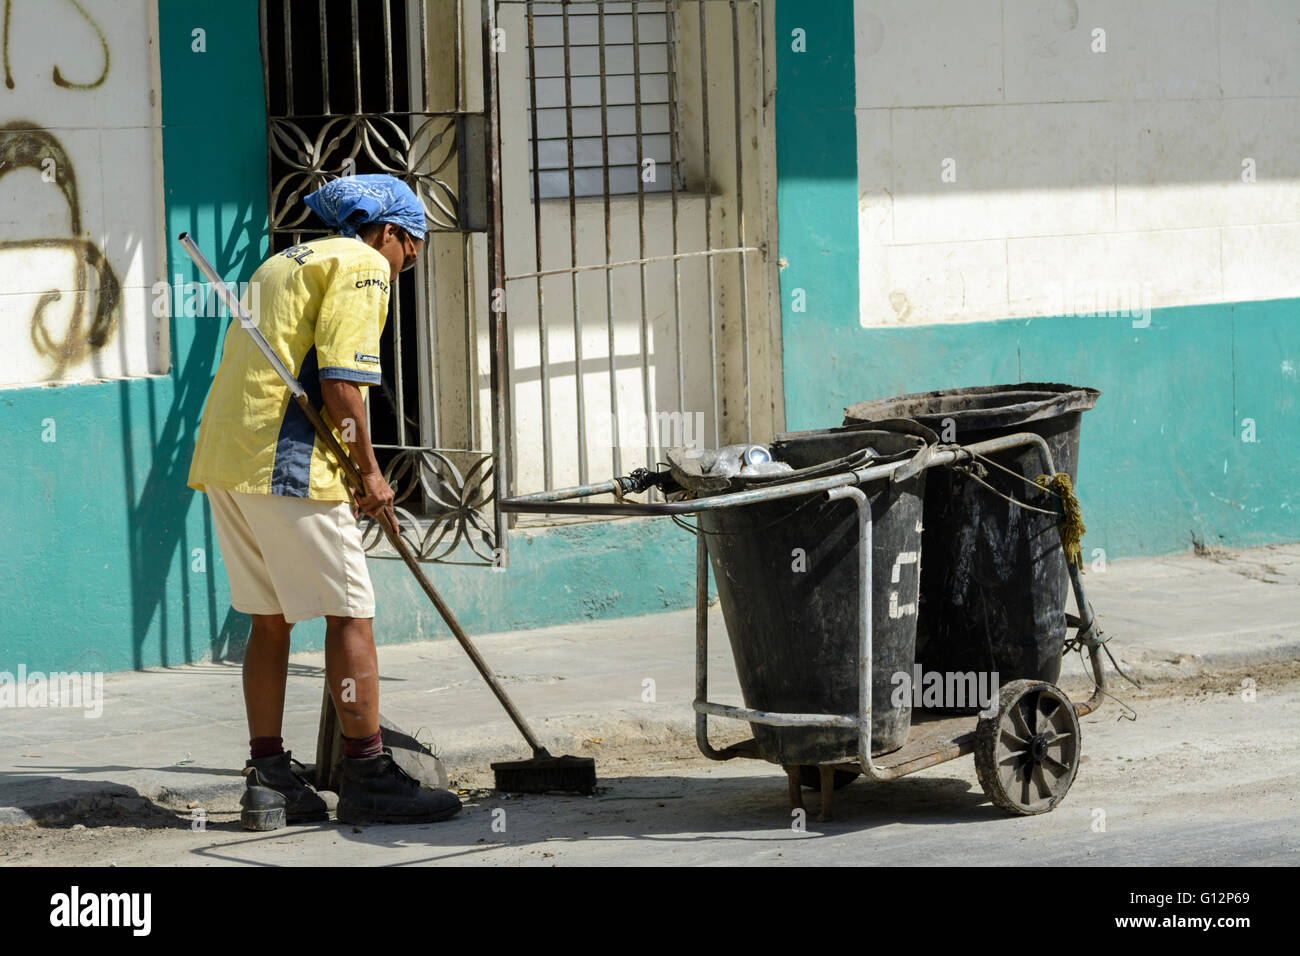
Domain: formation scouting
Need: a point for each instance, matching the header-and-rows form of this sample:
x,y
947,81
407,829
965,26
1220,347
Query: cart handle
x,y
554,502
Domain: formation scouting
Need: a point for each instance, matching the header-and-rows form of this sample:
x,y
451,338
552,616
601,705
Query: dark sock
x,y
362,747
266,746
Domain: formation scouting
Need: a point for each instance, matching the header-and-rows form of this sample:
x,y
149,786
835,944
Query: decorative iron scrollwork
x,y
311,150
454,505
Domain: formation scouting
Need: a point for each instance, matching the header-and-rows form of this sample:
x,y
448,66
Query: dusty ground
x,y
1202,776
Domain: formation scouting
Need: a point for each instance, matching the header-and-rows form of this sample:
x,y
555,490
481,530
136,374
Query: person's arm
x,y
347,335
348,413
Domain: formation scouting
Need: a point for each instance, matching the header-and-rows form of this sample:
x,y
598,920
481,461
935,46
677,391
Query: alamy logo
x,y
945,689
200,300
85,690
633,428
75,908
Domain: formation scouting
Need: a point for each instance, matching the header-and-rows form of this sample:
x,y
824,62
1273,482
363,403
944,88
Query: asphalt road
x,y
1202,777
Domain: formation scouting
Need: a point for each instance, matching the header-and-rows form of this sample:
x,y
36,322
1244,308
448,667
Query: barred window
x,y
602,132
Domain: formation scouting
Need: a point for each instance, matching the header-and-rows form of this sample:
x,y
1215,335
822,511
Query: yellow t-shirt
x,y
322,307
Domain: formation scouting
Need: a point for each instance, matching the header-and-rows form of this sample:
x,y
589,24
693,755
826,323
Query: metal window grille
x,y
603,99
564,314
640,320
348,91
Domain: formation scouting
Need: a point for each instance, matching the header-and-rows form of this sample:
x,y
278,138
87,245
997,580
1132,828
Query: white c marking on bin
x,y
897,610
904,557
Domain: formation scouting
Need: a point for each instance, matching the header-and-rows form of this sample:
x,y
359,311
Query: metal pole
x,y
671,34
650,437
356,59
496,281
553,502
323,21
573,254
865,529
615,438
543,343
388,57
739,141
708,227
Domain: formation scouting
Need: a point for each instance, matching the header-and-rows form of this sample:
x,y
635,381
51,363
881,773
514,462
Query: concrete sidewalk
x,y
179,733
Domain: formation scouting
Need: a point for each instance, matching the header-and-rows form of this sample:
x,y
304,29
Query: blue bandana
x,y
378,197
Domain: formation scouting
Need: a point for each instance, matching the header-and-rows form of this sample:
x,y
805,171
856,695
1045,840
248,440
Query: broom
x,y
541,774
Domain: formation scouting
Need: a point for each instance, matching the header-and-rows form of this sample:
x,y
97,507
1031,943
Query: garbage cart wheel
x,y
811,778
1027,754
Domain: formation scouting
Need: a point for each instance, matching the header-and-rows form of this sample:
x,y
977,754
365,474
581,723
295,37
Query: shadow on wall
x,y
162,544
214,159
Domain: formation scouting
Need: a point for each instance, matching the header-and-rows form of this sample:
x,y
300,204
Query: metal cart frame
x,y
981,741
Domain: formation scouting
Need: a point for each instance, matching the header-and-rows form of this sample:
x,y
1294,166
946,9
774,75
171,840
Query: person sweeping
x,y
284,515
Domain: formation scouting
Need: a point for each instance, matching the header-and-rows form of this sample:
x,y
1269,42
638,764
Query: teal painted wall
x,y
98,529
817,202
604,569
590,571
1162,455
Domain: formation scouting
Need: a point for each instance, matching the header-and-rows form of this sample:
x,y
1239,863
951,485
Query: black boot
x,y
377,790
274,795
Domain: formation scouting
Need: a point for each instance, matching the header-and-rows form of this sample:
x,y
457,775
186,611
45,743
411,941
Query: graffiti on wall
x,y
22,147
57,74
76,300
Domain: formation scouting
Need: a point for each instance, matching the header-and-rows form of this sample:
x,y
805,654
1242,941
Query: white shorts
x,y
293,556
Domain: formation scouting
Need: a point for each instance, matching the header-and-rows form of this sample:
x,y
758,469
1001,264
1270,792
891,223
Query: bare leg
x,y
266,668
352,670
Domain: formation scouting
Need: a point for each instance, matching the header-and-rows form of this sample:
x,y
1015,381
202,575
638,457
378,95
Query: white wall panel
x,y
972,274
1260,262
80,193
1183,163
1097,173
958,60
1154,49
1045,274
1020,171
1258,44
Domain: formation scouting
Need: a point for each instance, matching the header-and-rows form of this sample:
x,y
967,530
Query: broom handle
x,y
404,551
353,474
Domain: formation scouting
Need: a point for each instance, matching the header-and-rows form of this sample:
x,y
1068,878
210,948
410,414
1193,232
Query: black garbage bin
x,y
994,581
787,575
